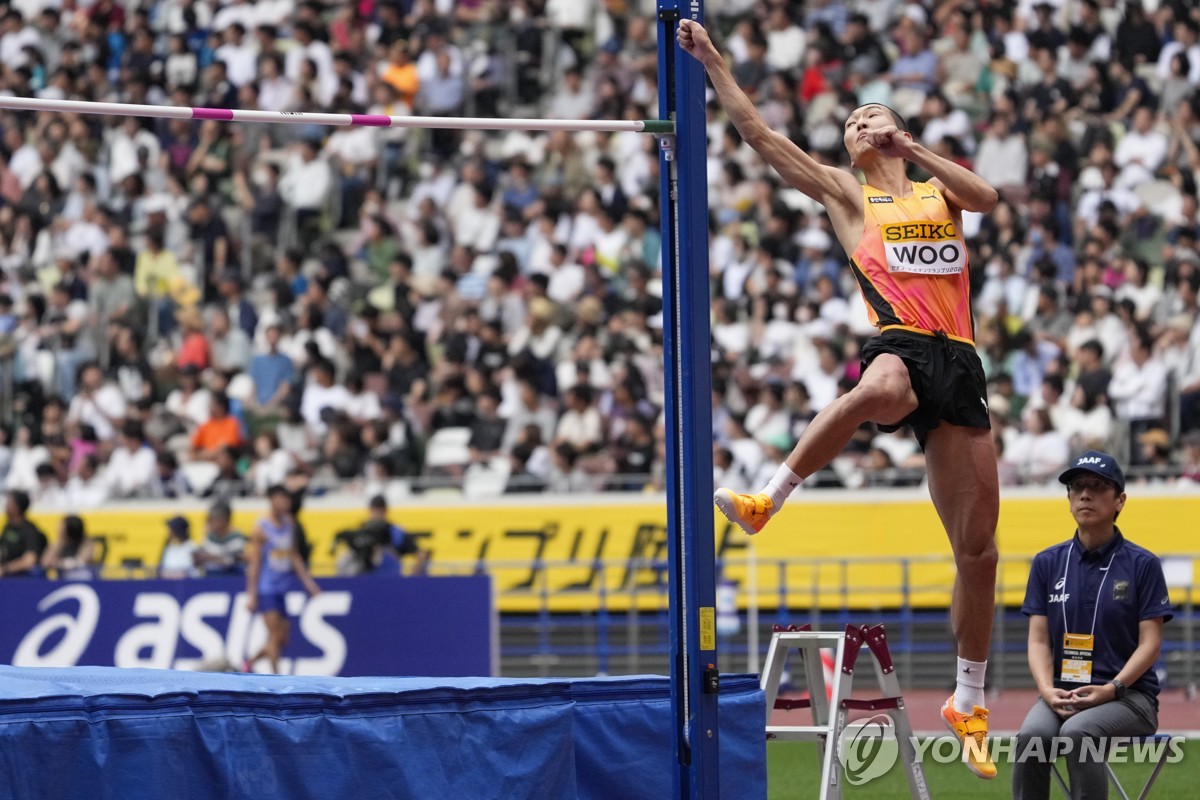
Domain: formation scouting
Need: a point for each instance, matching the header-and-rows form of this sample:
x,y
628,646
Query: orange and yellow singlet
x,y
912,264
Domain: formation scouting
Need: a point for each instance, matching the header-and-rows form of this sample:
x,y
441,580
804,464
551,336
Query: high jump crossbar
x,y
656,126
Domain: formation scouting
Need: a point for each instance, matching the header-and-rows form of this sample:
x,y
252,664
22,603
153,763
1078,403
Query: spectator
x,y
189,403
22,544
63,338
1184,46
6,454
572,100
487,429
229,483
362,405
111,296
178,556
229,347
304,187
169,481
401,74
1040,451
914,74
1002,159
1191,465
786,41
194,352
1139,387
86,488
1141,151
132,465
133,374
1153,449
635,454
276,90
579,428
223,550
220,431
48,493
71,557
99,403
322,396
156,277
272,373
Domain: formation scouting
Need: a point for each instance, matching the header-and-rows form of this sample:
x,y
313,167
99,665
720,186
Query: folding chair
x,y
1161,761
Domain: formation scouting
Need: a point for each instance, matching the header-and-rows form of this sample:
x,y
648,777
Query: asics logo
x,y
1061,583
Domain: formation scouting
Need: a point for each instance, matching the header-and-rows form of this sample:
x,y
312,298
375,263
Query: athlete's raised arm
x,y
797,167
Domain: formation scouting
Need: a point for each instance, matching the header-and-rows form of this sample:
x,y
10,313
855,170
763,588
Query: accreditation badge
x,y
1077,657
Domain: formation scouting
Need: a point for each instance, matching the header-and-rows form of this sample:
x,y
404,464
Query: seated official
x,y
1096,605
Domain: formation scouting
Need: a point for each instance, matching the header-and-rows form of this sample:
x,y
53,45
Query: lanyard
x,y
1099,592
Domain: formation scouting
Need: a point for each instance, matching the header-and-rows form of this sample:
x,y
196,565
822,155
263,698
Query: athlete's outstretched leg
x,y
884,395
961,463
278,628
966,493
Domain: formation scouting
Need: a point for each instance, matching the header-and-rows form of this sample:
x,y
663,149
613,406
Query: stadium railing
x,y
623,625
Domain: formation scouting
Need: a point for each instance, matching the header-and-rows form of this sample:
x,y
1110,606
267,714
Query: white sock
x,y
781,485
969,691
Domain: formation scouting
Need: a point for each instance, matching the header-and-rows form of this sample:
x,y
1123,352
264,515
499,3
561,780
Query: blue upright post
x,y
691,550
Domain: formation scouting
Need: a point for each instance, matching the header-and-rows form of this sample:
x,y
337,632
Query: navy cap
x,y
1097,463
179,525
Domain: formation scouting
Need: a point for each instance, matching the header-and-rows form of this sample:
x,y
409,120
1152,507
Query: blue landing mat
x,y
96,733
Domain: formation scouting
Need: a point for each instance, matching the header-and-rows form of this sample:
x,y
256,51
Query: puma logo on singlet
x,y
924,248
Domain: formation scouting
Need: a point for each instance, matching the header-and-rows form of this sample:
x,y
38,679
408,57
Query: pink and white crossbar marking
x,y
344,120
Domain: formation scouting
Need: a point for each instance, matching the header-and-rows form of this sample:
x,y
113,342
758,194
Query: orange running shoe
x,y
749,512
971,730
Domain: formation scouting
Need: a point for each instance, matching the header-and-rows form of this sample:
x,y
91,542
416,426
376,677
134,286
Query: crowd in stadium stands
x,y
211,309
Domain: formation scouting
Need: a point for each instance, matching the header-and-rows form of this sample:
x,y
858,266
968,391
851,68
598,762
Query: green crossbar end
x,y
658,126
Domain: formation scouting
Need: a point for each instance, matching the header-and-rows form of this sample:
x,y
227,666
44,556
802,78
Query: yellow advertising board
x,y
582,556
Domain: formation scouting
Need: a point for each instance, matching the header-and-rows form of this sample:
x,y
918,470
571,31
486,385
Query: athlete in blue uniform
x,y
273,569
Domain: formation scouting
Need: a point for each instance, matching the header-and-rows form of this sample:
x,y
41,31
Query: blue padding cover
x,y
98,733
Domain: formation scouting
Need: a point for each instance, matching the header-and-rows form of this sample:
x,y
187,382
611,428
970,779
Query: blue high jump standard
x,y
119,734
686,348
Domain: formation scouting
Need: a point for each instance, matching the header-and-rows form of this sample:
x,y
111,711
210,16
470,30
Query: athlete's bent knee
x,y
977,555
886,397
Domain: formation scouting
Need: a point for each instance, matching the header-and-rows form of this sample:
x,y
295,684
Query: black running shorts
x,y
946,376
